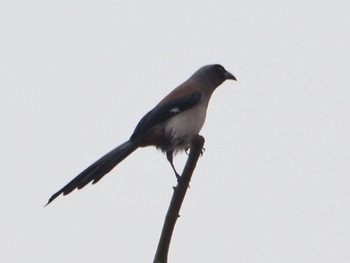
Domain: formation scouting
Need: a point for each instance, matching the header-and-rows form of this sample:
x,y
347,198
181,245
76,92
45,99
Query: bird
x,y
169,126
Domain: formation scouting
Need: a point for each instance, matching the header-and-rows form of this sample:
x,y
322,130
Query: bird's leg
x,y
169,156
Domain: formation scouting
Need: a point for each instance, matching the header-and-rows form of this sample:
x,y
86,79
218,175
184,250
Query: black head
x,y
221,71
214,74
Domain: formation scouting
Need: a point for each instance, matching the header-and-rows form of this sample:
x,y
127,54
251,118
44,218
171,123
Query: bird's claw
x,y
188,153
202,152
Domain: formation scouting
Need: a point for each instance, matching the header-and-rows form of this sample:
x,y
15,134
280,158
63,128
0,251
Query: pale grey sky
x,y
273,184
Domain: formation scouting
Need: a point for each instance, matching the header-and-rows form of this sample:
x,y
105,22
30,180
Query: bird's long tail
x,y
98,169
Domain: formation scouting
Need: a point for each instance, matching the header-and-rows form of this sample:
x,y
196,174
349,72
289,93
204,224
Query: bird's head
x,y
215,74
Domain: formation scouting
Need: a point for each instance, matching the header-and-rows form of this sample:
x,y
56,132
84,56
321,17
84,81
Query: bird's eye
x,y
220,68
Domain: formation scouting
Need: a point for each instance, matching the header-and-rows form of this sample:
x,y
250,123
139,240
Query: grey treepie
x,y
169,126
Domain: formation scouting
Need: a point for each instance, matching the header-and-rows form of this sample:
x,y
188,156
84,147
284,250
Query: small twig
x,y
161,255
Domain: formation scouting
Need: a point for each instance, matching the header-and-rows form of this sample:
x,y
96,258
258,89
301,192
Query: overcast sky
x,y
274,182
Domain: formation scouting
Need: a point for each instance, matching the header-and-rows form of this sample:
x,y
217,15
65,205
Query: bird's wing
x,y
165,111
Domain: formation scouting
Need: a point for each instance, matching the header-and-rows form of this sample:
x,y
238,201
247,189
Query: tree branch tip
x,y
197,140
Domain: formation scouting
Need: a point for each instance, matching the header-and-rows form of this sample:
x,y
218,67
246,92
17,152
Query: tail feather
x,y
98,169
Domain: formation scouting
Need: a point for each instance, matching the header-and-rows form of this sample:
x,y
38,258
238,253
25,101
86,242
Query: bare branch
x,y
161,255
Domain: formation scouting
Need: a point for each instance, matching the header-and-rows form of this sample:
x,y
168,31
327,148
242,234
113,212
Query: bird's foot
x,y
187,151
178,177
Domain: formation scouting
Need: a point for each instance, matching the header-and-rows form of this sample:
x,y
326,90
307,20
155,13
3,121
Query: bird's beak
x,y
228,75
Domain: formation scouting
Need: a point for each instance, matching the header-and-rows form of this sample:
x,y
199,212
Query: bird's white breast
x,y
185,124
